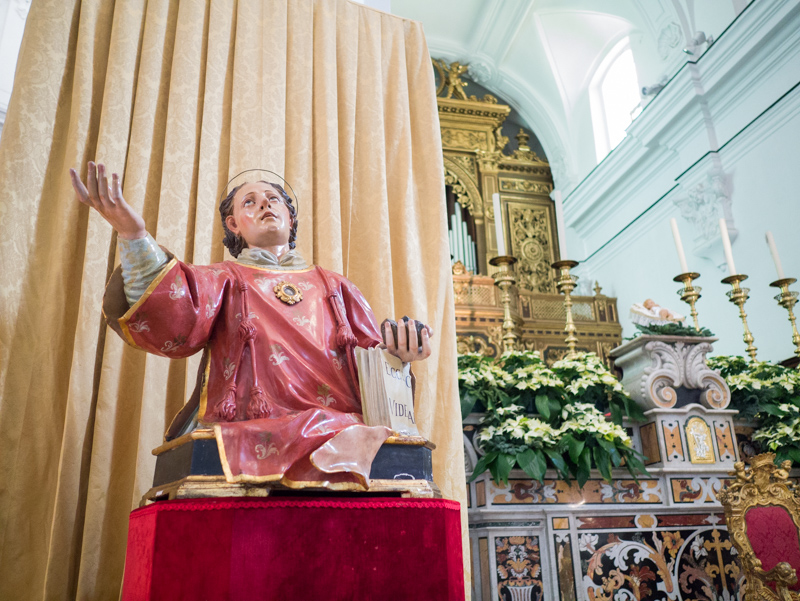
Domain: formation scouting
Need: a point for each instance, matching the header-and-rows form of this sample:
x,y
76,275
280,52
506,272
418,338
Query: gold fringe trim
x,y
199,434
302,270
123,321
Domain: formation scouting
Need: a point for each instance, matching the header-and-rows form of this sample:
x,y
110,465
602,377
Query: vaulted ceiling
x,y
540,55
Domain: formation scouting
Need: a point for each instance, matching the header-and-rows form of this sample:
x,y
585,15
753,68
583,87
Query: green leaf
x,y
575,447
504,464
772,410
616,414
611,449
483,464
607,445
671,329
584,467
557,460
602,462
468,400
635,467
532,463
543,405
555,408
632,409
792,453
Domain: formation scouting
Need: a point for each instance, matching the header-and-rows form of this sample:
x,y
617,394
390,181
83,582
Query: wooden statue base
x,y
196,487
189,467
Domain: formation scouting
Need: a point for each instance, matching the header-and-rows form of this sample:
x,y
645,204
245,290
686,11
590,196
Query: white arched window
x,y
614,97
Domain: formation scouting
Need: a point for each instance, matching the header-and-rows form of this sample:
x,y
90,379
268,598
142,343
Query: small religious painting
x,y
698,438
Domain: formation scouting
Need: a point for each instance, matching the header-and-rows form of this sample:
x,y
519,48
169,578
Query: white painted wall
x,y
721,139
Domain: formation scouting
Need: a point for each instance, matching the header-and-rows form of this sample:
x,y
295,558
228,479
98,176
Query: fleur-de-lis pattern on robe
x,y
190,308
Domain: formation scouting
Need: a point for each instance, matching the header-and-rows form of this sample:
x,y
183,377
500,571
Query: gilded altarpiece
x,y
476,167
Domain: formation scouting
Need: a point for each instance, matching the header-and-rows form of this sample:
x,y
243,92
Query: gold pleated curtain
x,y
179,96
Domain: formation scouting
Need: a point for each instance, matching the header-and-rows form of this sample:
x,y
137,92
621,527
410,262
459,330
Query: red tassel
x,y
259,407
226,409
344,336
247,331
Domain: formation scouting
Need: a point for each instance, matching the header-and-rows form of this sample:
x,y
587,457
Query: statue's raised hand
x,y
108,201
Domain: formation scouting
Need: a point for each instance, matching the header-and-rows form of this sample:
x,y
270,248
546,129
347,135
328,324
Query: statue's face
x,y
260,216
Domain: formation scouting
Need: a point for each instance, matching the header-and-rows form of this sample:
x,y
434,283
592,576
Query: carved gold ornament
x,y
698,438
763,484
288,293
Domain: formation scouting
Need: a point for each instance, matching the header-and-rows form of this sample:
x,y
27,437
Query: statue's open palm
x,y
108,201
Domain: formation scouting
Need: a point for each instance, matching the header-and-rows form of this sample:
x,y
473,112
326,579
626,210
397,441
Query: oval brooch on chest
x,y
288,293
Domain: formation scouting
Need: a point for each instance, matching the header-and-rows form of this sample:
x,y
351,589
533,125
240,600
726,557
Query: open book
x,y
386,396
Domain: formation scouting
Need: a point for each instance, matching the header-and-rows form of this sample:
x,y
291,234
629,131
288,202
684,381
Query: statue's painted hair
x,y
234,242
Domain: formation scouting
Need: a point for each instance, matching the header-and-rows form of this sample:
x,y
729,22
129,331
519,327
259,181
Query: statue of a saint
x,y
277,379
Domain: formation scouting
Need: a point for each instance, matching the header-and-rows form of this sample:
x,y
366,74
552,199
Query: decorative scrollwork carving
x,y
679,364
464,188
459,189
530,235
716,394
467,163
500,141
474,344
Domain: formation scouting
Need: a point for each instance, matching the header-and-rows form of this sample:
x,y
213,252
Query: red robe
x,y
305,370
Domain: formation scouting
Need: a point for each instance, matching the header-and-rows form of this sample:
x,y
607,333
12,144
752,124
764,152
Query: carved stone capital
x,y
656,367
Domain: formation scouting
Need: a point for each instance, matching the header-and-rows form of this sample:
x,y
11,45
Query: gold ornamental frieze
x,y
472,111
525,186
464,139
540,170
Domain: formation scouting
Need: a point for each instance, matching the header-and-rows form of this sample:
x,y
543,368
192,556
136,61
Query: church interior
x,y
589,202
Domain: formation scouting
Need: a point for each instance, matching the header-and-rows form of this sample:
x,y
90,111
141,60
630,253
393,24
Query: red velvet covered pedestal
x,y
295,549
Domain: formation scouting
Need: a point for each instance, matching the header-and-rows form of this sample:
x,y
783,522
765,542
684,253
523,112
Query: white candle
x,y
498,225
561,228
678,245
775,258
726,245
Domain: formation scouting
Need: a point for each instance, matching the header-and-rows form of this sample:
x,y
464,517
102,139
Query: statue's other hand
x,y
400,348
108,201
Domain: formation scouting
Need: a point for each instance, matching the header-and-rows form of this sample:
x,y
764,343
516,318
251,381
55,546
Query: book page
x,y
364,381
398,396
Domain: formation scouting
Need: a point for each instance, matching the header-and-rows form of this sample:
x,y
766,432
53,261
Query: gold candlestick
x,y
787,299
504,279
689,294
566,284
738,296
